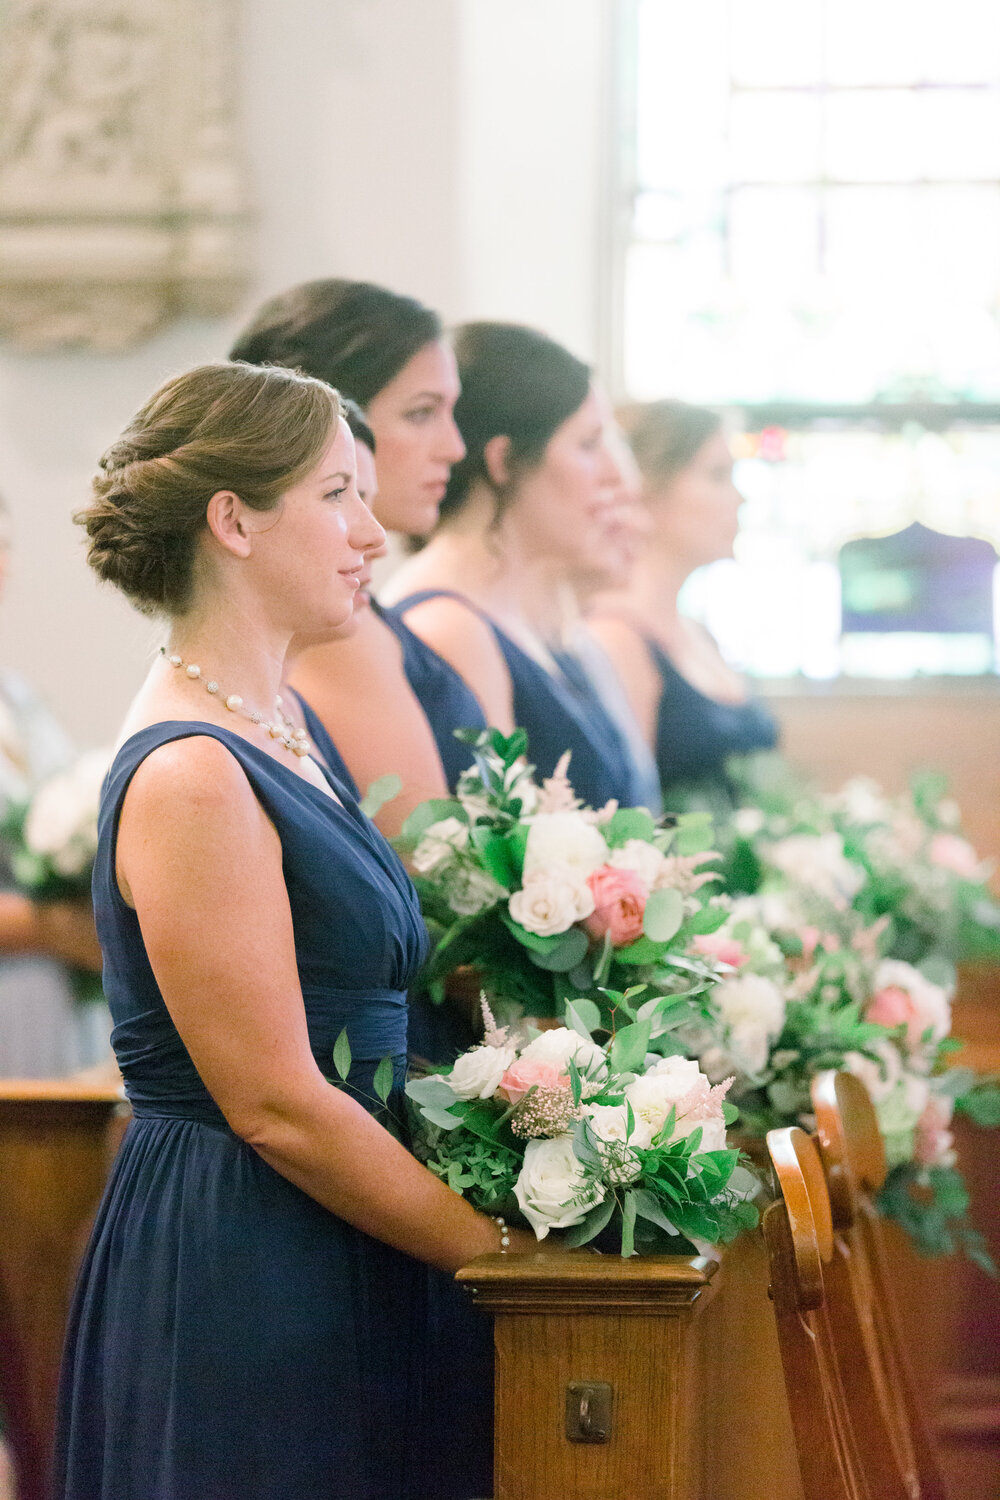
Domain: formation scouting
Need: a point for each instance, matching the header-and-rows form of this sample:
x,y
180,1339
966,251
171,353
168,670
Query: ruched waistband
x,y
201,1111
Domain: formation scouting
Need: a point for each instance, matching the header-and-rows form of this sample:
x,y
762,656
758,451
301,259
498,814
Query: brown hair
x,y
666,435
234,427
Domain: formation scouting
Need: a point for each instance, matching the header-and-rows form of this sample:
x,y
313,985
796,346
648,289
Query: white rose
x,y
560,1044
438,843
646,860
654,1094
818,862
609,1124
752,1010
564,840
550,901
861,800
477,1073
553,1189
879,1078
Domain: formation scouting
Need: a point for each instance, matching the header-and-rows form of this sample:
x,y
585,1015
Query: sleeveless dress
x,y
558,713
696,735
325,748
447,700
230,1339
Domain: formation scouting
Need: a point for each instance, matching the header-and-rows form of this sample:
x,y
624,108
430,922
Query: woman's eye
x,y
335,494
420,414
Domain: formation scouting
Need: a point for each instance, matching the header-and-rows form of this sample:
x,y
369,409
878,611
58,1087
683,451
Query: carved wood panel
x,y
122,197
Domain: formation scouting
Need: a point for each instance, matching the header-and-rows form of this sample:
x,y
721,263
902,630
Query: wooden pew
x,y
54,1157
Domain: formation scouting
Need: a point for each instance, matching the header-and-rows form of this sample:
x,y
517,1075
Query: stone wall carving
x,y
122,198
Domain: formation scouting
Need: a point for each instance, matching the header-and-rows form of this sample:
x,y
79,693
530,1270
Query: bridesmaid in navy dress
x,y
693,708
523,512
387,702
251,1317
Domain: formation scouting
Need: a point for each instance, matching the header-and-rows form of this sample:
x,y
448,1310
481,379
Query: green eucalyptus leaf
x,y
342,1055
648,1206
629,1048
434,811
568,952
663,915
628,1225
381,791
383,1080
591,1224
629,823
431,1090
442,1118
583,1017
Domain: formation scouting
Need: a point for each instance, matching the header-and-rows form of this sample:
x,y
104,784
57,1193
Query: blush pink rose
x,y
529,1073
619,902
893,1006
950,852
726,949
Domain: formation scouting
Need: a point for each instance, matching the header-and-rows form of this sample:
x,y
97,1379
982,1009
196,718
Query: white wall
x,y
448,148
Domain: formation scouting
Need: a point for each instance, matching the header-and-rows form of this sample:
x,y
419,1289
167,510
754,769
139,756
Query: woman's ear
x,y
226,517
496,460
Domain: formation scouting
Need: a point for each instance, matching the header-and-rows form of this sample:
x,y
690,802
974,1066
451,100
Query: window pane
x,y
776,42
873,136
773,239
959,133
774,137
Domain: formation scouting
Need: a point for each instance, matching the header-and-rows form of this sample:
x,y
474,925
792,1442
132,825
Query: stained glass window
x,y
813,195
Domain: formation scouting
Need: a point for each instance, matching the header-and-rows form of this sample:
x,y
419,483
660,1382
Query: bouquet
x,y
586,1137
903,858
52,839
548,900
795,999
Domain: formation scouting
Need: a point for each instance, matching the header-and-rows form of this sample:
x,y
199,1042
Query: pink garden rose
x,y
726,949
619,902
904,997
950,852
529,1073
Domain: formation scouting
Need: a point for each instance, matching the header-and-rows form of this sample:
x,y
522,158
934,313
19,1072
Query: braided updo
x,y
234,427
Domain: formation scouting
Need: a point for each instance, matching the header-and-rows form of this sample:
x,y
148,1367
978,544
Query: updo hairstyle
x,y
357,422
217,427
518,384
351,334
665,436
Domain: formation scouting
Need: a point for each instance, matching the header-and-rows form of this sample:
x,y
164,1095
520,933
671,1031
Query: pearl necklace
x,y
281,729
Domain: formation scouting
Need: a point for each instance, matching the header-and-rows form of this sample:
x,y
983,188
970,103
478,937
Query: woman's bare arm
x,y
359,690
201,863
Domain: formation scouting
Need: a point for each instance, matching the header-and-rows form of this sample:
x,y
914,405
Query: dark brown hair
x,y
217,427
516,383
352,334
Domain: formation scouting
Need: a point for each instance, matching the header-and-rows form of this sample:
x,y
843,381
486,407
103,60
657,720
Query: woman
x,y
691,705
249,1317
44,1030
373,692
522,515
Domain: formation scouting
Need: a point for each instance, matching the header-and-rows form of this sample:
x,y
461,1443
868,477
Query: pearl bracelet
x,y
501,1224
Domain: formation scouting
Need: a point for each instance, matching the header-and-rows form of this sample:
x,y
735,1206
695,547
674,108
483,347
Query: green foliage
x,y
342,1055
663,915
381,791
981,1103
932,1206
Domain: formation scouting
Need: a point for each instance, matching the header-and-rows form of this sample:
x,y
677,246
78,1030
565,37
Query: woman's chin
x,y
417,519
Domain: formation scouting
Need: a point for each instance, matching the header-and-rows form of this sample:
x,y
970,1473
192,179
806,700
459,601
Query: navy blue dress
x,y
446,699
325,748
230,1339
559,713
696,734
